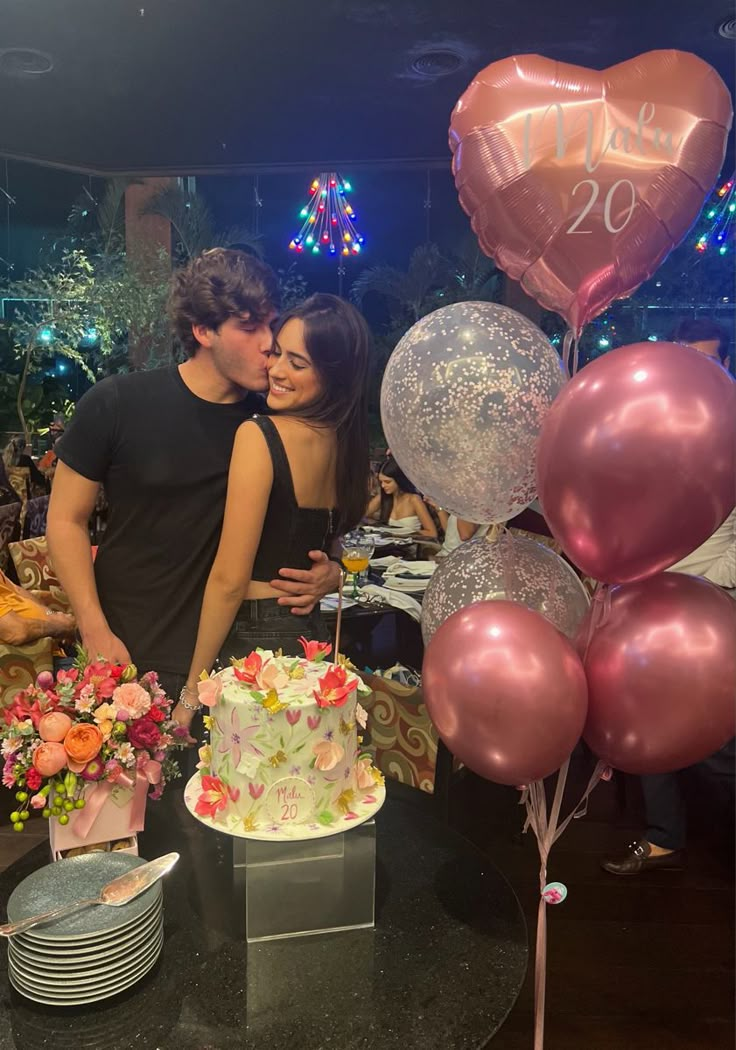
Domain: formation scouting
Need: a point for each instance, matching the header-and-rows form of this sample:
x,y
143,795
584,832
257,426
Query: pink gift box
x,y
121,814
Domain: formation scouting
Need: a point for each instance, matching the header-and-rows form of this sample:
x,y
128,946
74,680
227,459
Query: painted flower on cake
x,y
255,790
214,797
247,669
292,717
236,740
327,754
315,651
334,688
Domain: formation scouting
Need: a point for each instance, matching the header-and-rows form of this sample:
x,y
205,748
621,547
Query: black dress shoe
x,y
638,858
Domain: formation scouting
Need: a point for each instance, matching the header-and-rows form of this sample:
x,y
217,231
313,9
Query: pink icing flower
x,y
328,753
272,677
133,698
292,717
255,790
210,690
316,651
54,726
313,721
361,716
364,775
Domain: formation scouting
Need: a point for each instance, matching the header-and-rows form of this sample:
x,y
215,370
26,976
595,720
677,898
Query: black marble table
x,y
441,969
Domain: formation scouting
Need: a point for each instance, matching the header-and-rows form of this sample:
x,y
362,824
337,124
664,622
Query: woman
x,y
398,503
297,479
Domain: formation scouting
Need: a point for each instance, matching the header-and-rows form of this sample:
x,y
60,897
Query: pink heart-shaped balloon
x,y
578,182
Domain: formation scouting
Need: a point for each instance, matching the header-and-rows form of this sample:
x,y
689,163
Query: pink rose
x,y
54,726
209,691
133,698
38,801
364,775
328,753
49,758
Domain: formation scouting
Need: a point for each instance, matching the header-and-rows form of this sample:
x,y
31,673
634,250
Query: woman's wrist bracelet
x,y
188,691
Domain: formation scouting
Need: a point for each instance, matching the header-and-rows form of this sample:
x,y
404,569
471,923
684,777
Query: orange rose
x,y
83,742
49,758
54,726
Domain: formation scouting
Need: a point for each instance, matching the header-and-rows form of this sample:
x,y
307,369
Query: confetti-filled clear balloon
x,y
512,569
463,399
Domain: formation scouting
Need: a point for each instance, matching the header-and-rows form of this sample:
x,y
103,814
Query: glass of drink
x,y
357,549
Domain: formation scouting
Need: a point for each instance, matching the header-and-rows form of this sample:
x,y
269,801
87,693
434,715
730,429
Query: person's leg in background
x,y
663,844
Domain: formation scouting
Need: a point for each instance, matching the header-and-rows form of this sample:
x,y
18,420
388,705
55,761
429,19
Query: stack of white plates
x,y
92,954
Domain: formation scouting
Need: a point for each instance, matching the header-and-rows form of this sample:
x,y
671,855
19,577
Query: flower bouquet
x,y
94,733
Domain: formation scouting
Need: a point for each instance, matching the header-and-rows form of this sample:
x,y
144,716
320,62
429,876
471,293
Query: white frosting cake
x,y
284,746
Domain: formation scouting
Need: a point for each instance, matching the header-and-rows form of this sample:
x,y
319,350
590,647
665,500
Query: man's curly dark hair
x,y
219,284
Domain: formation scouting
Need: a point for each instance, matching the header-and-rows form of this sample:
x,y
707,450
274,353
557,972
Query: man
x,y
664,842
160,443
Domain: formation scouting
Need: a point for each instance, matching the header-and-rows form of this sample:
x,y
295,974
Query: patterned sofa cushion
x,y
21,665
9,530
35,571
404,739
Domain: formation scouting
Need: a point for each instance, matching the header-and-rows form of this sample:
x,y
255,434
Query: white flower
x,y
126,754
11,745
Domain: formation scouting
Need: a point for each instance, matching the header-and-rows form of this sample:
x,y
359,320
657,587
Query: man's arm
x,y
72,500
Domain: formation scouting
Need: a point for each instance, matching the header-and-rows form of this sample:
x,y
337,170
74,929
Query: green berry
x,y
25,815
46,813
18,826
68,804
80,803
64,818
58,800
22,796
55,811
14,817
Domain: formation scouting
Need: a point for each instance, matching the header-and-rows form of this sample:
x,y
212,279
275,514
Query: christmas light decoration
x,y
328,226
718,216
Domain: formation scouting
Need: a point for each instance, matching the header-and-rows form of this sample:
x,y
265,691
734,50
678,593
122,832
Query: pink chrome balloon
x,y
661,673
505,690
636,465
579,182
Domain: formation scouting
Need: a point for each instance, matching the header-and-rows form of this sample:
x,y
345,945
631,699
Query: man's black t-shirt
x,y
162,454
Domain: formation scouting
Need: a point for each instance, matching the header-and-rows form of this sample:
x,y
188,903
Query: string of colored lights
x,y
720,217
329,219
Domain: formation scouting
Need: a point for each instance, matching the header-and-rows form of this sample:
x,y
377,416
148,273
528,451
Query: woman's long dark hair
x,y
391,469
338,341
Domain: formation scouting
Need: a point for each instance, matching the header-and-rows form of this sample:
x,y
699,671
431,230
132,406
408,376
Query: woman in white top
x,y
398,503
456,530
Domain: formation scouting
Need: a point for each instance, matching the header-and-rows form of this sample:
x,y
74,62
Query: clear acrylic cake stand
x,y
293,889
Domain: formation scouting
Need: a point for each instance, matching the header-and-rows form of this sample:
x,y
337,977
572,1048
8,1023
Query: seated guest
x,y
24,619
399,504
456,530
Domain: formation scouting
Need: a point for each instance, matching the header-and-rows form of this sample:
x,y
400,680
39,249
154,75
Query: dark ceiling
x,y
189,86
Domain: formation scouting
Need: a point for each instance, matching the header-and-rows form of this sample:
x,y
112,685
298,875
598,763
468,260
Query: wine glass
x,y
357,549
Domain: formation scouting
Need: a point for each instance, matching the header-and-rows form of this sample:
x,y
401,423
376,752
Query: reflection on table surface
x,y
441,969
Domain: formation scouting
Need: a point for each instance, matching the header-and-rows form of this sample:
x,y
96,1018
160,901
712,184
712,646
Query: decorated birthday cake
x,y
284,759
